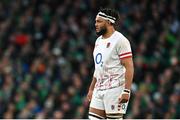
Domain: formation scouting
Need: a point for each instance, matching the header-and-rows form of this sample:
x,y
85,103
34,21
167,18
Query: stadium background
x,y
46,62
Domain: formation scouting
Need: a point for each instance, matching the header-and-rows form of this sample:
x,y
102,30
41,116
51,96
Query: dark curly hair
x,y
111,12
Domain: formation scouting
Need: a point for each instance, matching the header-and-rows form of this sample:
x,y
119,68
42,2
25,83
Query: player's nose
x,y
96,24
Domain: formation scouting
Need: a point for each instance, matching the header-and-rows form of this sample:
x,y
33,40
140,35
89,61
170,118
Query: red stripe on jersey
x,y
124,53
126,57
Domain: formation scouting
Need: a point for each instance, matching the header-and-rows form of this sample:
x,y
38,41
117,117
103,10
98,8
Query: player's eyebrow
x,y
98,20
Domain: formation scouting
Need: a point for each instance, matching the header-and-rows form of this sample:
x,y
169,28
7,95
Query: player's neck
x,y
108,33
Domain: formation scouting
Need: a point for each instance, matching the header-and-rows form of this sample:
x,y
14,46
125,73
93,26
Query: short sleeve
x,y
124,48
95,74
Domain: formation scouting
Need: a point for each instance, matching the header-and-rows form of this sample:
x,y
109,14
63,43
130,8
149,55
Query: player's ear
x,y
109,22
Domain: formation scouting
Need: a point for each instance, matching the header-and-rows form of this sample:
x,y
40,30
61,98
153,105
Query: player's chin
x,y
98,32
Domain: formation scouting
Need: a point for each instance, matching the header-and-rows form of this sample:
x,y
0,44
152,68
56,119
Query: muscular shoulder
x,y
120,37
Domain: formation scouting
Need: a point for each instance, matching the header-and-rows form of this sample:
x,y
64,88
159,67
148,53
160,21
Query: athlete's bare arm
x,y
128,64
91,88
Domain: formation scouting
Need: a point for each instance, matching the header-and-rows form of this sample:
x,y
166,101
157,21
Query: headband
x,y
106,17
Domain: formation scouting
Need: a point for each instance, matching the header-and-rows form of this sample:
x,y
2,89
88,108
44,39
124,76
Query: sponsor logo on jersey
x,y
98,58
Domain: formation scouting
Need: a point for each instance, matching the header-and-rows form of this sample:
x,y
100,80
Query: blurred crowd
x,y
46,62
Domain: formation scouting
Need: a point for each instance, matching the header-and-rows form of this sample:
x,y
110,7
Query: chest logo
x,y
108,45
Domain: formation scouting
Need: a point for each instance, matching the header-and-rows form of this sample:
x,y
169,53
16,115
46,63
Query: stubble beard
x,y
102,31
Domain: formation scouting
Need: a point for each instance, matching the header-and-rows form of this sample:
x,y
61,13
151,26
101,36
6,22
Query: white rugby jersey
x,y
107,58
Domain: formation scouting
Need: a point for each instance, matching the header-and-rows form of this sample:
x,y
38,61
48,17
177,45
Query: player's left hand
x,y
124,98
